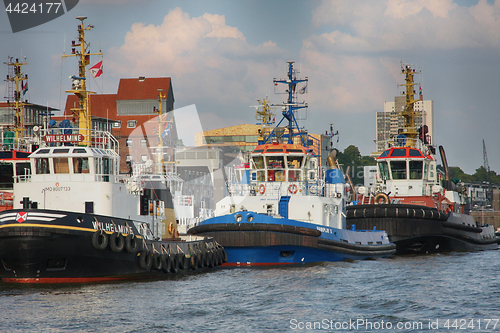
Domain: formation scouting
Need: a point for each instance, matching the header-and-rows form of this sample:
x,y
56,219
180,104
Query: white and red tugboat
x,y
420,212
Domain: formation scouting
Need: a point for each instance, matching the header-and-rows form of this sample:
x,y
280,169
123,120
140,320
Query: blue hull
x,y
252,239
281,255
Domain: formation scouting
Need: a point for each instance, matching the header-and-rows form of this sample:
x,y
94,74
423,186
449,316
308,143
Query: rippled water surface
x,y
410,293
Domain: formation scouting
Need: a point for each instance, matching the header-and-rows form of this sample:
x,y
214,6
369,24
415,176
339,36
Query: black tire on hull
x,y
194,262
100,240
117,242
175,264
166,263
157,262
145,260
131,243
183,261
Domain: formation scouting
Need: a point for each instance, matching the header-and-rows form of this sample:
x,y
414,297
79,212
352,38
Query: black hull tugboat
x,y
420,212
75,219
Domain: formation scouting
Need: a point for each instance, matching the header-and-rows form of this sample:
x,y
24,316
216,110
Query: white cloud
x,y
207,59
370,26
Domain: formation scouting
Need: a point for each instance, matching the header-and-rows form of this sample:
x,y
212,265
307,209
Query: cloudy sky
x,y
222,56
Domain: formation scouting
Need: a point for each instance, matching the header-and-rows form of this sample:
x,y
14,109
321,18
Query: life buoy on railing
x,y
189,201
292,188
381,199
262,188
171,228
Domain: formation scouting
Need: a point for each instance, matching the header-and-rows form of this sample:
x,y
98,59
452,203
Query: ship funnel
x,y
445,163
447,183
332,159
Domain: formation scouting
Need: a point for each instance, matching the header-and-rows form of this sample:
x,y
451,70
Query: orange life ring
x,y
171,228
292,188
262,188
189,201
381,199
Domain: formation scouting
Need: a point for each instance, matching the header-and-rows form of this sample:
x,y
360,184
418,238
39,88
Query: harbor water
x,y
426,293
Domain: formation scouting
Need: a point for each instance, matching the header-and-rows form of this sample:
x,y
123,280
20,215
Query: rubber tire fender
x,y
100,240
166,264
194,262
117,242
145,260
157,263
131,243
175,264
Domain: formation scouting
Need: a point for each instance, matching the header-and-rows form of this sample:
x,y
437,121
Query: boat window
x,y
416,169
81,164
259,162
105,168
415,153
426,168
398,169
399,152
274,150
294,162
6,174
61,165
97,165
79,151
384,170
258,151
294,151
43,151
42,166
22,154
294,175
261,176
275,175
275,162
61,151
23,168
5,154
385,153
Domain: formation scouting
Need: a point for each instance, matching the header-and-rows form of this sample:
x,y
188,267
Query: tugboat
x,y
15,146
420,212
284,208
77,220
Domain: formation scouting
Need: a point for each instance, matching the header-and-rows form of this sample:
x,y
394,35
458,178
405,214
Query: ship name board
x,y
111,227
63,138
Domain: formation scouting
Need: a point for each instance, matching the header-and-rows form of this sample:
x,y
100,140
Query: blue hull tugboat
x,y
282,208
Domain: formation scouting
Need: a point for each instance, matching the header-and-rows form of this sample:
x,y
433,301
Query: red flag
x,y
96,70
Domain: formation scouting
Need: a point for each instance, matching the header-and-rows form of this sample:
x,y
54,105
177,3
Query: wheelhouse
x,y
403,163
281,163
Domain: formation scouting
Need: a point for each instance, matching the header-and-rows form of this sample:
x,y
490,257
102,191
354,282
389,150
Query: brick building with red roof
x,y
130,115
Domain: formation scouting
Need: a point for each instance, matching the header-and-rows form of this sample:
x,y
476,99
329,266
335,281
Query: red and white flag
x,y
96,70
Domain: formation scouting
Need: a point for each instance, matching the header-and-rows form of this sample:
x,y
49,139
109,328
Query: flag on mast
x,y
96,70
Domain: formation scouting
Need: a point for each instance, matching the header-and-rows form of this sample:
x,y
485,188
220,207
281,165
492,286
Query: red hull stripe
x,y
65,280
233,264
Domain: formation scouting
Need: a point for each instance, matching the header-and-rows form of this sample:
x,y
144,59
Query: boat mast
x,y
291,104
79,82
409,114
159,149
18,103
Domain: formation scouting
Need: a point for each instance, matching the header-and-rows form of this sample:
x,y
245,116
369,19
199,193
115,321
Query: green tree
x,y
351,157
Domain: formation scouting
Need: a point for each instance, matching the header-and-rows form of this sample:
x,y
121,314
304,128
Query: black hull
x,y
418,229
70,249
